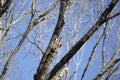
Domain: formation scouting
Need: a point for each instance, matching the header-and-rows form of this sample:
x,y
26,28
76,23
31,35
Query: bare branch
x,y
45,12
7,28
59,75
30,27
113,16
91,56
35,45
112,72
80,43
103,46
51,50
14,37
15,51
111,63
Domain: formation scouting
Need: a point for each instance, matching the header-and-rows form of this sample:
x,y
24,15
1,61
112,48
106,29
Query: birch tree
x,y
68,38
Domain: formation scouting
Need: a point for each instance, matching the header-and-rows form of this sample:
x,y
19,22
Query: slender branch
x,y
111,63
35,45
16,50
115,15
7,28
112,72
53,44
91,56
46,12
103,46
6,55
14,37
68,64
84,39
30,27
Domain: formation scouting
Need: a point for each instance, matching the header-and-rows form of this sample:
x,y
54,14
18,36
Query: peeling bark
x,y
50,52
59,75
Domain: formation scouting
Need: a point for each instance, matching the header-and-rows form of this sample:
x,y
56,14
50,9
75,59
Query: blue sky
x,y
25,63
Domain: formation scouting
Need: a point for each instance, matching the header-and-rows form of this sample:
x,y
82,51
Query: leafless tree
x,y
70,37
